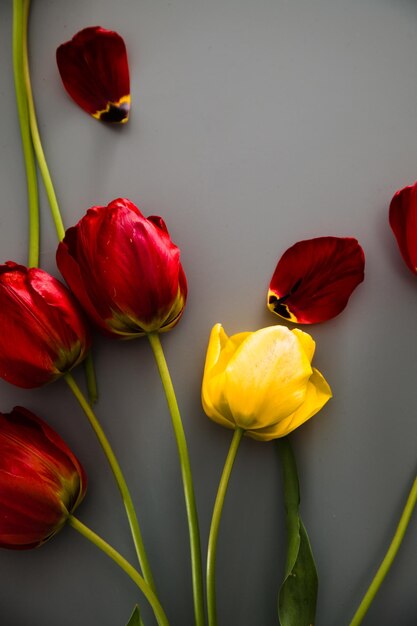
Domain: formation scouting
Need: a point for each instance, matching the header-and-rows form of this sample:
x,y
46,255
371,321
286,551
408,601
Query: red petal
x,y
48,444
403,221
95,72
315,278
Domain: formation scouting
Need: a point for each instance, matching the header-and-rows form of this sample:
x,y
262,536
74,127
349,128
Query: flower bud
x,y
124,270
43,332
41,481
262,381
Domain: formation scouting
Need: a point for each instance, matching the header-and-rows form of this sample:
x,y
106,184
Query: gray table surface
x,y
254,125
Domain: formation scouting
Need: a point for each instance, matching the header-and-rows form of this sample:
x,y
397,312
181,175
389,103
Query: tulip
x,y
315,278
262,382
95,72
403,221
41,481
43,332
124,270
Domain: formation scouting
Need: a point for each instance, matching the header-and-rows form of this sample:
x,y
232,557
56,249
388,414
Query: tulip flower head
x,y
43,331
315,278
41,481
124,270
262,381
403,221
95,72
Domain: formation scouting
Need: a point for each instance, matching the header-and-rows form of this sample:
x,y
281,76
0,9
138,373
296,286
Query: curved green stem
x,y
190,503
19,47
120,480
214,527
145,588
37,144
389,557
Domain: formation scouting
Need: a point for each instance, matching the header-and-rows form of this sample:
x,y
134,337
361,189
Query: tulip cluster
x,y
125,278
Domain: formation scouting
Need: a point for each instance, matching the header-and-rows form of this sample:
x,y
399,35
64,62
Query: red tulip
x,y
403,221
41,481
315,278
95,72
124,270
43,332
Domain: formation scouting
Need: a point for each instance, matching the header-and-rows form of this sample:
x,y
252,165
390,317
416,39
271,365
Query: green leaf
x,y
297,598
135,619
298,593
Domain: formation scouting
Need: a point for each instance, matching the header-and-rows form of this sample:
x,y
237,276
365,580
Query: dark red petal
x,y
158,222
26,359
52,447
403,221
123,204
315,278
29,513
65,322
95,72
71,270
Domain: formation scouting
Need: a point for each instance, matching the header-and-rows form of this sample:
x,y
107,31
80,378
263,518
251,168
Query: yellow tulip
x,y
262,381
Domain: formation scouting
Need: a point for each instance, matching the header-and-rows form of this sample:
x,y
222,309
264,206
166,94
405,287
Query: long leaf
x,y
297,599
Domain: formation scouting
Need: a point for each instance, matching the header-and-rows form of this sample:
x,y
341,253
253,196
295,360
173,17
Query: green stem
x,y
389,557
190,503
37,144
291,497
19,47
214,528
46,176
149,594
120,480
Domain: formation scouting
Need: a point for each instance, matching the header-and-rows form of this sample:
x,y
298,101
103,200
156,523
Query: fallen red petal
x,y
94,69
315,278
403,221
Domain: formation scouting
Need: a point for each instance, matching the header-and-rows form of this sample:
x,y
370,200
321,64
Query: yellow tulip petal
x,y
266,379
215,415
218,338
318,393
307,342
280,429
220,349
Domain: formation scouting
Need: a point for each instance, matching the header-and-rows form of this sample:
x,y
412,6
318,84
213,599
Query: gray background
x,y
254,125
